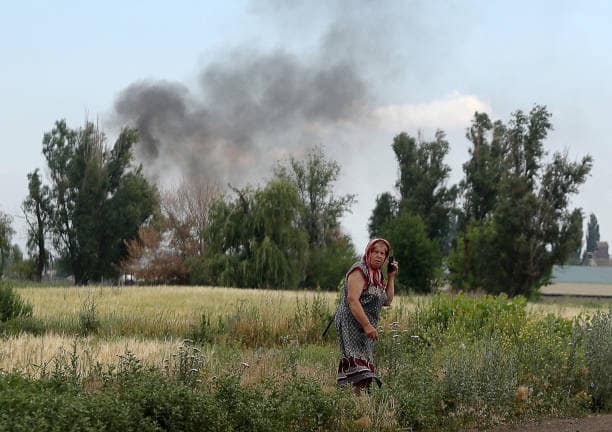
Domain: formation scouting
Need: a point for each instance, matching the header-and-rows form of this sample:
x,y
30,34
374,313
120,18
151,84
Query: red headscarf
x,y
376,275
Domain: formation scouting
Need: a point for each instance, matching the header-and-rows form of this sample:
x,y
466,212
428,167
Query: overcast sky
x,y
224,89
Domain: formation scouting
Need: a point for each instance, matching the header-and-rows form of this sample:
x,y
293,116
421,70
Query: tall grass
x,y
169,311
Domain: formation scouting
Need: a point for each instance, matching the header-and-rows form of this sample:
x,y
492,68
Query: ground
x,y
599,423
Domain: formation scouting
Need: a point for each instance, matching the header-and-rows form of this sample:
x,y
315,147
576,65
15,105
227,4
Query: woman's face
x,y
378,254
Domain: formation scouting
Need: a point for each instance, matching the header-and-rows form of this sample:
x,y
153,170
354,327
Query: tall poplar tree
x,y
592,236
423,181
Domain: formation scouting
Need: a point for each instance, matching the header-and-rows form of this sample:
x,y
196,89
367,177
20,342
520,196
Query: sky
x,y
226,89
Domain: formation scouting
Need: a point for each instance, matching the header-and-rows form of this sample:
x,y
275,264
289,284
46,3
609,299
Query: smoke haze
x,y
252,107
246,109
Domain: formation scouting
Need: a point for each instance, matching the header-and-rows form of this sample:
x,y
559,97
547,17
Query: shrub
x,y
598,351
479,379
11,304
473,316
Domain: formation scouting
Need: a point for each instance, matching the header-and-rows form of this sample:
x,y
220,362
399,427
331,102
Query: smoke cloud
x,y
252,107
247,109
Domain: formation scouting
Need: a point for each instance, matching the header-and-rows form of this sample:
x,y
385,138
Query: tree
x,y
99,198
169,246
285,234
484,168
422,182
385,210
256,240
407,234
320,213
314,179
530,226
423,218
37,210
186,210
592,236
151,260
6,236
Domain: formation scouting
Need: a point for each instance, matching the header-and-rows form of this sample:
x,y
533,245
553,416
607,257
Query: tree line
x,y
500,229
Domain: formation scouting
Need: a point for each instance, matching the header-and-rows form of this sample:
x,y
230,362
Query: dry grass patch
x,y
565,309
33,354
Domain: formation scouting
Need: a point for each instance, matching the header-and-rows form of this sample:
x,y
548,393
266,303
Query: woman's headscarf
x,y
376,275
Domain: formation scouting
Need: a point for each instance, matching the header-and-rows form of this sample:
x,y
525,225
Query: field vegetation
x,y
204,358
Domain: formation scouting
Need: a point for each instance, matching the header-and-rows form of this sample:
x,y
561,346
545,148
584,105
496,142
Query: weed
x,y
189,363
88,317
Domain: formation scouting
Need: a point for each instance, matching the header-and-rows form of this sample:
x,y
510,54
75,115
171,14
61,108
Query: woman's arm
x,y
356,282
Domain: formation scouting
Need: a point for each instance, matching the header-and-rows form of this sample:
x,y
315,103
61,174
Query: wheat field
x,y
155,315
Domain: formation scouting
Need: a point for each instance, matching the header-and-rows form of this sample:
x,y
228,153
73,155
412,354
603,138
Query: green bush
x,y
598,351
11,304
473,316
149,403
479,380
416,389
457,361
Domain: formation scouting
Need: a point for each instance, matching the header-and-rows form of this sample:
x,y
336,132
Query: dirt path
x,y
599,423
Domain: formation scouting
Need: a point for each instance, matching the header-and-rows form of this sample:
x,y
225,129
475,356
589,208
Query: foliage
x,y
11,304
472,316
592,236
330,252
314,179
38,209
510,243
151,260
418,223
385,210
469,262
598,352
465,361
89,321
6,235
99,199
407,234
23,269
132,397
484,169
256,240
422,182
328,264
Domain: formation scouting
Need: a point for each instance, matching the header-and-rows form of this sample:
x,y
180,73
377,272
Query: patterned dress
x,y
356,349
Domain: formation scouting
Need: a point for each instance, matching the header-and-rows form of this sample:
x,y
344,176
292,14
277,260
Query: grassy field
x,y
449,361
152,321
603,291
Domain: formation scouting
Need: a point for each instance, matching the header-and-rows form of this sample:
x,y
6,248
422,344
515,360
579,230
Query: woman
x,y
365,292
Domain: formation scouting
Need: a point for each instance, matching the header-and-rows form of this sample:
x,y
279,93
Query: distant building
x,y
601,255
582,275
